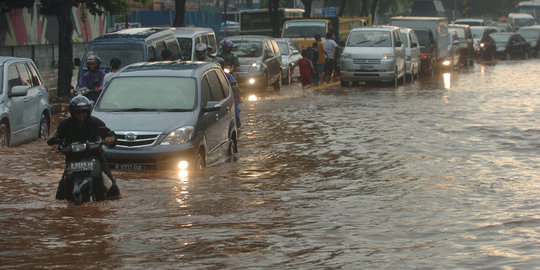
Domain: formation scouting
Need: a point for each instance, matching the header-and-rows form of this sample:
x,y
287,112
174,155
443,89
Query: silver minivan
x,y
24,103
412,52
373,54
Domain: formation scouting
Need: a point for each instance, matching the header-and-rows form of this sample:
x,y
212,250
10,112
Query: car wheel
x,y
43,127
233,148
201,161
277,83
264,85
4,135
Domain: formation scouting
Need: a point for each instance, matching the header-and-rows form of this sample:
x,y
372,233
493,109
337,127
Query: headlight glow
x,y
178,136
182,165
446,62
251,81
256,65
387,57
227,70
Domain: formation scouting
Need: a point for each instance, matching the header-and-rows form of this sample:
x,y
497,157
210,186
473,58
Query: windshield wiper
x,y
360,42
137,110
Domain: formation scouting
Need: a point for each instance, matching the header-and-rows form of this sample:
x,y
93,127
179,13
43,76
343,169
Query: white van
x,y
189,37
412,52
518,20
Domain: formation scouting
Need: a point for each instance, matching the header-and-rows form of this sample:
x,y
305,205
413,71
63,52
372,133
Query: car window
x,y
13,77
154,93
172,45
283,47
404,39
247,48
204,39
126,52
212,43
185,47
205,90
160,47
151,53
215,86
33,73
412,36
224,82
26,80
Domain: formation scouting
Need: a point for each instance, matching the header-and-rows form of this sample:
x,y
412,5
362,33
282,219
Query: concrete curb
x,y
319,87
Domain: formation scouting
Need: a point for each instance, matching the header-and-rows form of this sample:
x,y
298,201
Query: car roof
x,y
166,69
520,15
4,59
457,25
375,27
190,31
469,20
248,37
135,33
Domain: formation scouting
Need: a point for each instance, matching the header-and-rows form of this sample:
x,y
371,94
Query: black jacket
x,y
68,131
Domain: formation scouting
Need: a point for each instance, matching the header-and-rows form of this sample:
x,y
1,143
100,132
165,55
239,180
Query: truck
x,y
303,31
258,22
438,26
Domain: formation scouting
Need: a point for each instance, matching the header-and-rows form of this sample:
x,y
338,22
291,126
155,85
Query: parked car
x,y
466,43
428,50
168,113
518,20
373,54
510,46
260,62
290,53
130,46
412,52
470,22
479,34
24,103
532,36
189,37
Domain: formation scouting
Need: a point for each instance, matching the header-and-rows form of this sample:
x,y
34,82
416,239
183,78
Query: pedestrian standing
x,y
321,57
306,67
313,55
329,64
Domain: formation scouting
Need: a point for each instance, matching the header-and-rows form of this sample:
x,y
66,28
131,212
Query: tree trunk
x,y
364,11
342,7
307,8
65,49
180,7
273,6
373,10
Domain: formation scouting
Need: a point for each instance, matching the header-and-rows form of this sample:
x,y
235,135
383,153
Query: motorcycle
x,y
83,172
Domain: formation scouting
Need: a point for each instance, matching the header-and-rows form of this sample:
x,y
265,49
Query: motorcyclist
x,y
235,88
231,60
200,52
93,78
81,126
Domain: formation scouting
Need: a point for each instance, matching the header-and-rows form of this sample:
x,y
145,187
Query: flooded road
x,y
441,174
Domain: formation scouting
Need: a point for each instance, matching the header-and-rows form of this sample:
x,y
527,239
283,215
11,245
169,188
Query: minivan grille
x,y
135,139
244,68
366,61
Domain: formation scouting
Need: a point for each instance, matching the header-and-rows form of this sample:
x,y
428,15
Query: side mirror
x,y
18,91
77,62
212,106
398,43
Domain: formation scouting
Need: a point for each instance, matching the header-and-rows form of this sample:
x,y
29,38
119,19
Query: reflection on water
x,y
375,176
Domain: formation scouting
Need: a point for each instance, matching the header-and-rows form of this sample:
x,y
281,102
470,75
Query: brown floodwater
x,y
440,174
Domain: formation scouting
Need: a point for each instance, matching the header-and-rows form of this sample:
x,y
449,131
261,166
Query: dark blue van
x,y
131,46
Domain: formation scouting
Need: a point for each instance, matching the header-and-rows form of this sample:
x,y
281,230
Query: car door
x,y
20,116
209,119
223,116
35,95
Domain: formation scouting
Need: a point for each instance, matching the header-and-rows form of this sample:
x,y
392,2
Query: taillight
x,y
424,56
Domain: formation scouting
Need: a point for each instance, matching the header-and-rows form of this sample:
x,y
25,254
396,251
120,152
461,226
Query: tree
x,y
307,8
180,6
61,9
373,10
273,9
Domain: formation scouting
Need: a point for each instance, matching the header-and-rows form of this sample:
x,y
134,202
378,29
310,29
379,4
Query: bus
x,y
257,21
530,7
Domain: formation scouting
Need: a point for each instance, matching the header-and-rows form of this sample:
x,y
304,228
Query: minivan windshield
x,y
186,45
247,48
136,94
309,29
529,33
370,38
127,53
524,22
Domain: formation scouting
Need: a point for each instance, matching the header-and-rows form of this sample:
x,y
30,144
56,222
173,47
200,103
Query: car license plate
x,y
136,167
81,166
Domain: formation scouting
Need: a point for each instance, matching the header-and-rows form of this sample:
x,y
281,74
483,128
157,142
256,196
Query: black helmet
x,y
93,58
80,103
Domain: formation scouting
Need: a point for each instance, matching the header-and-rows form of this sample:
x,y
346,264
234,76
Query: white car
x,y
290,53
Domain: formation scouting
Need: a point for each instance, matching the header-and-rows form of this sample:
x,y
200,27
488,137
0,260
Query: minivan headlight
x,y
255,65
388,57
178,136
